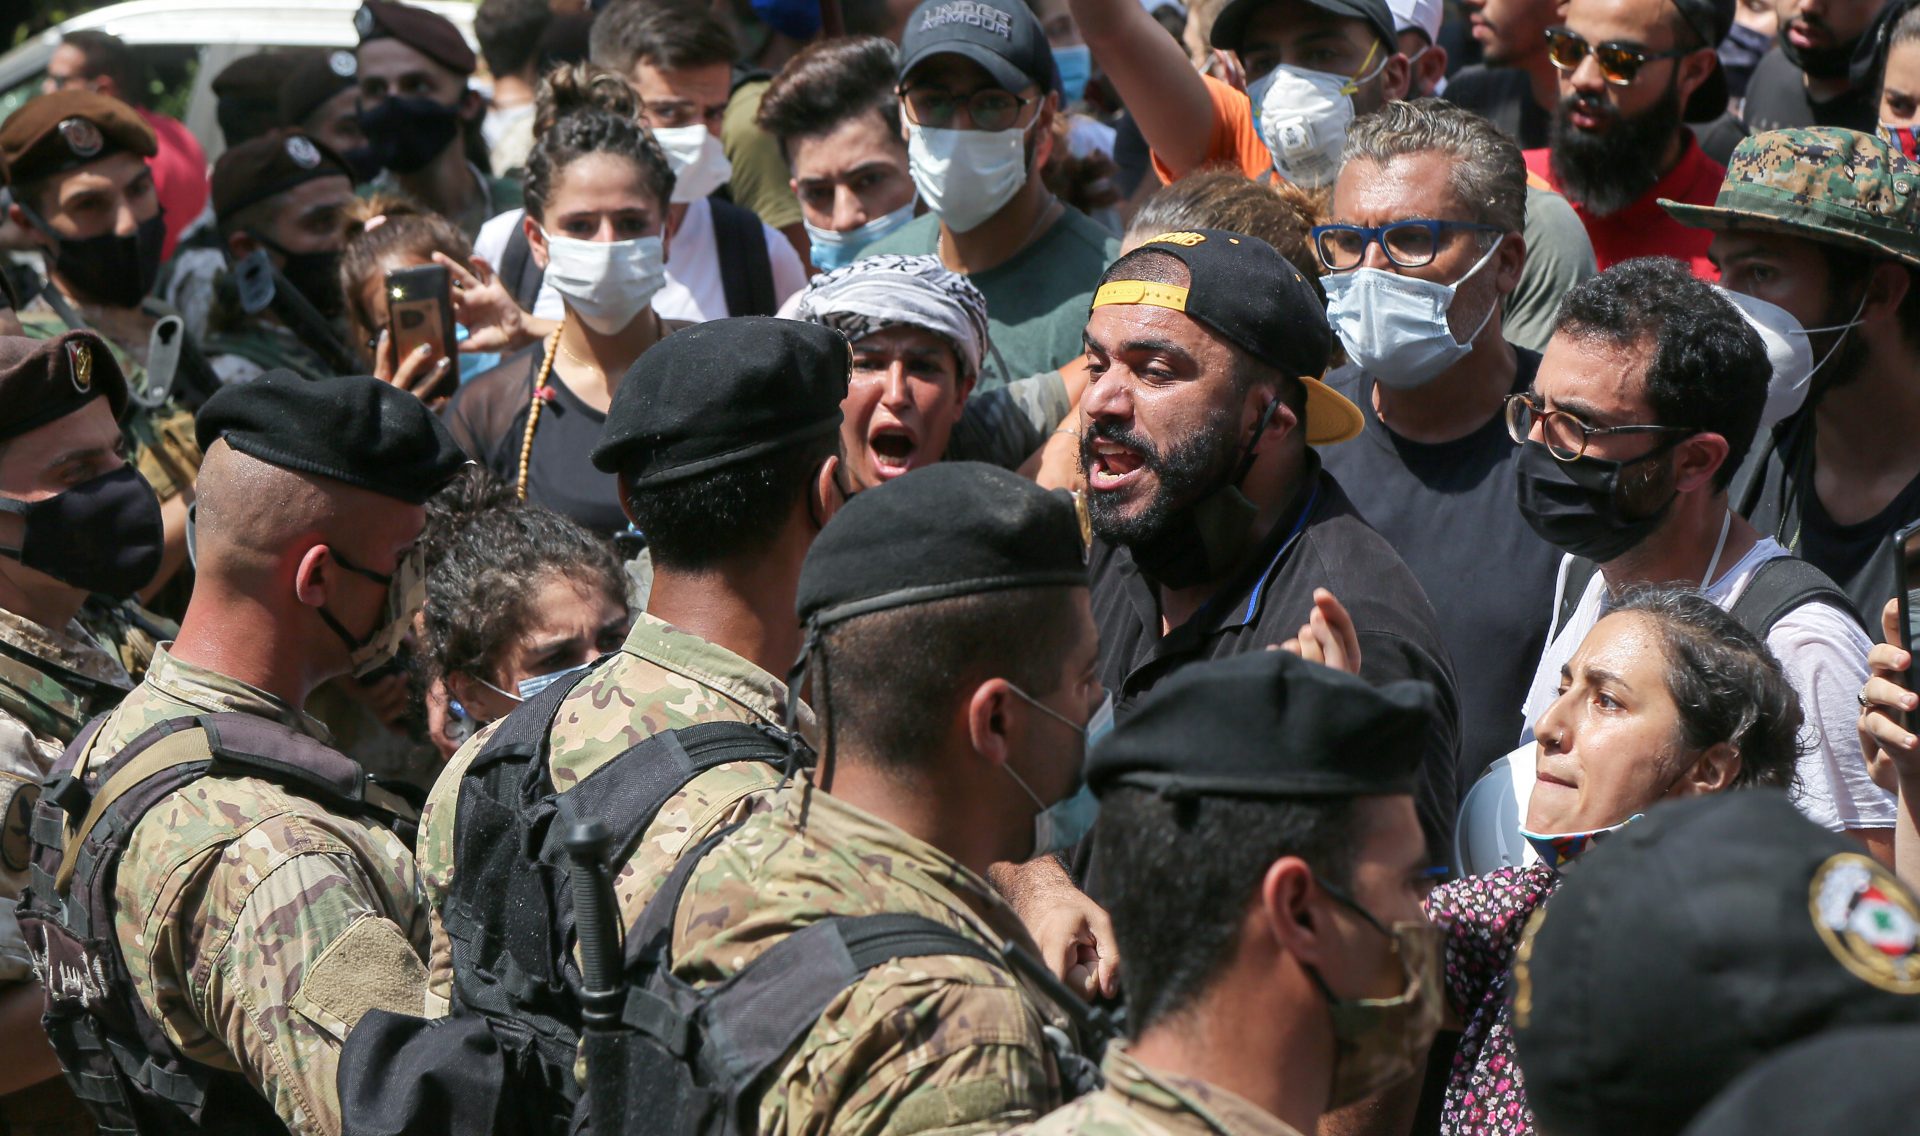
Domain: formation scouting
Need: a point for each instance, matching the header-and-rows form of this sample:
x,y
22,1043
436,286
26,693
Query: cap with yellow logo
x,y
1241,289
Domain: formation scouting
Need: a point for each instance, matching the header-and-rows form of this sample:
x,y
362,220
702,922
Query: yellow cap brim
x,y
1331,419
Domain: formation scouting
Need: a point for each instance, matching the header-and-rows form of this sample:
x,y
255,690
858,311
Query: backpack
x,y
746,270
696,1060
508,912
115,1056
1780,586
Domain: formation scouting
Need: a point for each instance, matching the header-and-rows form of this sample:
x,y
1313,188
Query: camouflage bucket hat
x,y
1826,184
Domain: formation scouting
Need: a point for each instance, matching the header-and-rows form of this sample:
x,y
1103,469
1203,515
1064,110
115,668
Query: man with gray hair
x,y
1424,246
920,335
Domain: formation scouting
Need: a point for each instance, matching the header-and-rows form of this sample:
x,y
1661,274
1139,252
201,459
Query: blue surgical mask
x,y
1555,849
833,250
528,688
1396,326
1076,67
1066,822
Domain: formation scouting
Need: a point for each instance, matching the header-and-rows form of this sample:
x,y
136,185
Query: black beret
x,y
428,33
45,379
1693,943
723,392
949,529
1855,1081
57,132
257,169
313,80
354,428
248,93
1268,724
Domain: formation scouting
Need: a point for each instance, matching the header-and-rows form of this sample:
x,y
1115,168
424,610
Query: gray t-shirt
x,y
1559,256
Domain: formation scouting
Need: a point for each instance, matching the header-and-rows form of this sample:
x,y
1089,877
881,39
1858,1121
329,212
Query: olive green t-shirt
x,y
760,174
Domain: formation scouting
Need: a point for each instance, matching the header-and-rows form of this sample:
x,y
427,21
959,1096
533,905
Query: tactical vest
x,y
117,1058
508,913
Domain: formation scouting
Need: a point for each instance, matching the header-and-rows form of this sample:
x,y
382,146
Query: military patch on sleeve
x,y
1869,920
371,967
16,842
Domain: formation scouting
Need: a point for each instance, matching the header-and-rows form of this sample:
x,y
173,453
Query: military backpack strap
x,y
746,268
1782,586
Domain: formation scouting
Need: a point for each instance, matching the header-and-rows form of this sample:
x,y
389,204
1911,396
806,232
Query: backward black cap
x,y
1268,724
353,428
951,529
1694,942
721,393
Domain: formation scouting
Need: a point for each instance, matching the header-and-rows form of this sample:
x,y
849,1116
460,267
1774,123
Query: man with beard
x,y
416,109
1645,403
1217,531
1630,71
1822,222
282,193
1805,79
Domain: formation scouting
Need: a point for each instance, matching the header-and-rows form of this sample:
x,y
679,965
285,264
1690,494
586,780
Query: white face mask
x,y
1788,352
833,250
699,163
1396,326
965,176
606,283
1304,116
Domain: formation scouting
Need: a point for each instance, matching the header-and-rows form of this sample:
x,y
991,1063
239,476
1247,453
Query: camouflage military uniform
x,y
662,679
257,926
943,1044
255,346
1140,1102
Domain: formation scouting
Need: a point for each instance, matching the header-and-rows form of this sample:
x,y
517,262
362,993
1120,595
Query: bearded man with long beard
x,y
1632,73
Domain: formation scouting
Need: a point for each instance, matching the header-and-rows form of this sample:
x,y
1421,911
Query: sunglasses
x,y
1620,60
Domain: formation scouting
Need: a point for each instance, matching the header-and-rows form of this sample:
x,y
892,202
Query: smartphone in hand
x,y
1906,568
420,310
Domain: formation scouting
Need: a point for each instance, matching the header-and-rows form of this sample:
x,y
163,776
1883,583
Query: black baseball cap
x,y
1244,291
1710,21
1230,27
1694,944
1005,38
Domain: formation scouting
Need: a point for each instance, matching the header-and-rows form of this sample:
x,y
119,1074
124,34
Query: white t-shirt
x,y
1823,653
693,291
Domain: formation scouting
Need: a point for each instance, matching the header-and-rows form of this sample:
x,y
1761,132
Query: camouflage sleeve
x,y
308,955
942,1045
23,761
433,853
165,450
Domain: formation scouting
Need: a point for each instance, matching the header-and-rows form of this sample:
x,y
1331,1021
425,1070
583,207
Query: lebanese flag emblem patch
x,y
1869,920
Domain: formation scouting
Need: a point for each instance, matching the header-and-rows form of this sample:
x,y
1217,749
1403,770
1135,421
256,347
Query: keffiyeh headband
x,y
888,290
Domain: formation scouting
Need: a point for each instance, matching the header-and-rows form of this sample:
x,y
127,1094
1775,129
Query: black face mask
x,y
406,134
1575,506
110,269
102,535
364,163
315,274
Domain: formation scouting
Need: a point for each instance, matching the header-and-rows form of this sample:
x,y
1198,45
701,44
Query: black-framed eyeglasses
x,y
1620,60
1408,244
989,108
1566,437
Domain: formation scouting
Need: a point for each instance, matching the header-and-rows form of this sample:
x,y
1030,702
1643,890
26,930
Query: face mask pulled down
x,y
1382,1041
606,283
832,249
1065,823
406,592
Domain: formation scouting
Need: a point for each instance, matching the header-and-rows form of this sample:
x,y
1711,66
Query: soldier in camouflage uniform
x,y
283,193
58,403
1825,222
103,257
948,624
727,537
258,925
1266,898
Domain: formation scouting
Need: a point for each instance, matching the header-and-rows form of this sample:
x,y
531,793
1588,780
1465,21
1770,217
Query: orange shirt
x,y
1233,135
1643,228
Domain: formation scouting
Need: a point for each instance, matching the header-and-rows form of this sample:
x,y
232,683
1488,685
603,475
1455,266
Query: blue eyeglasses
x,y
1408,244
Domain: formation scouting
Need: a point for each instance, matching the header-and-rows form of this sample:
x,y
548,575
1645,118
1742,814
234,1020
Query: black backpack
x,y
1780,586
116,1057
696,1060
508,912
746,271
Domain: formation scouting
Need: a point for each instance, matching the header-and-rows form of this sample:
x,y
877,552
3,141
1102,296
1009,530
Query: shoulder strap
x,y
1580,572
1783,585
518,270
746,269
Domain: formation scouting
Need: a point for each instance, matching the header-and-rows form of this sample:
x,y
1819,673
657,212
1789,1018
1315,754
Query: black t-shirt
x,y
488,417
1266,604
1452,513
1504,96
1776,493
1777,100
